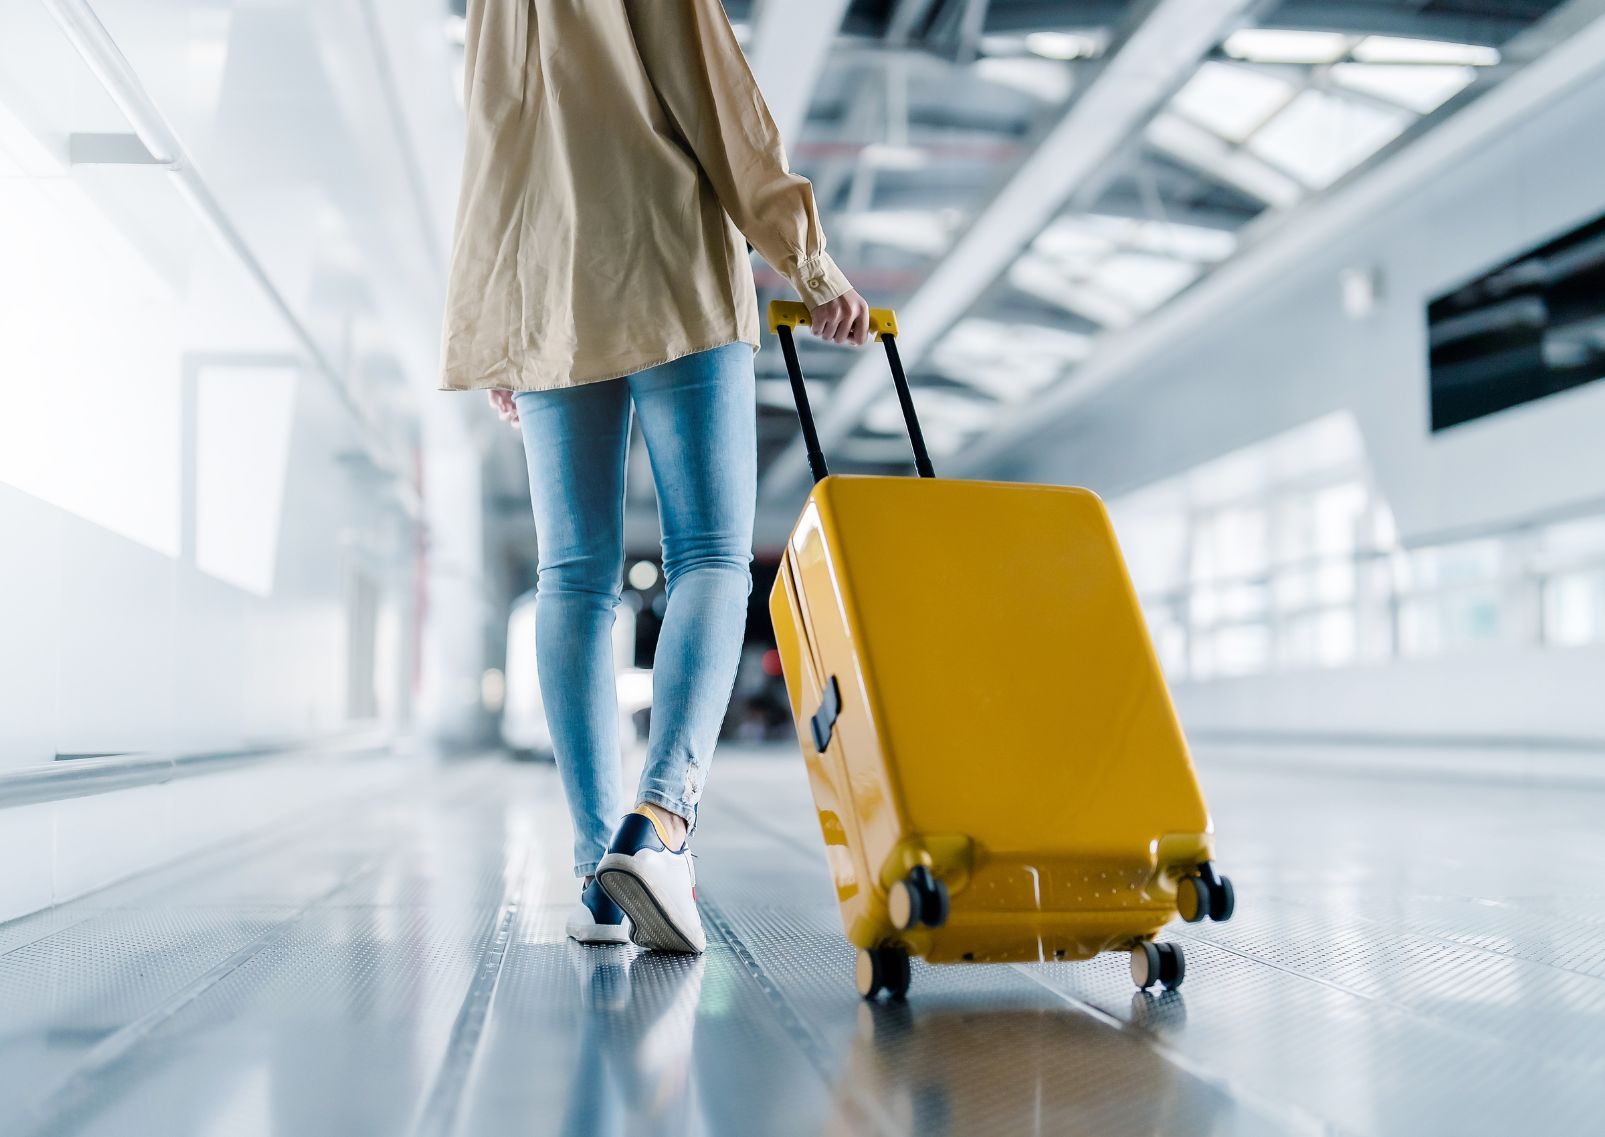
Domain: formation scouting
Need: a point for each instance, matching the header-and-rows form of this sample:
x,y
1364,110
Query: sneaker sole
x,y
650,925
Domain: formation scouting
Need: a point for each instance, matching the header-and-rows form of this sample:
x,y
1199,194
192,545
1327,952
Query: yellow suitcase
x,y
997,767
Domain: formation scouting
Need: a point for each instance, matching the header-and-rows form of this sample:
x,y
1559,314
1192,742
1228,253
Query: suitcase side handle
x,y
784,315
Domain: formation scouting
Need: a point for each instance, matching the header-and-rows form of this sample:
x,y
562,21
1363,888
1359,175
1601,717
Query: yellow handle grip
x,y
792,313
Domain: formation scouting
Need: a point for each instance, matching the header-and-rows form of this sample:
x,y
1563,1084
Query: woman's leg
x,y
576,440
699,420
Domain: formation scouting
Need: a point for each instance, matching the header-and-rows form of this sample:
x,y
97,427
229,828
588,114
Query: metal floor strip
x,y
796,1027
443,1105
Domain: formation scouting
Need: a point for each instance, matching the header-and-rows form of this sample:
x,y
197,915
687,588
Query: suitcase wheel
x,y
883,969
1158,963
1224,902
919,898
1205,895
1192,898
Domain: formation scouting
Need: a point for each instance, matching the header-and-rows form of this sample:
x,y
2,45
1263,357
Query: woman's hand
x,y
506,410
842,320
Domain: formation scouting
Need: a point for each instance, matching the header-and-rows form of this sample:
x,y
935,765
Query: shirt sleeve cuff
x,y
818,280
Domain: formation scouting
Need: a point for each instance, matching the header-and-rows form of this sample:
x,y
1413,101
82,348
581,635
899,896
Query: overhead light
x,y
1279,45
1063,45
1421,87
1390,49
643,575
1232,101
1321,137
492,689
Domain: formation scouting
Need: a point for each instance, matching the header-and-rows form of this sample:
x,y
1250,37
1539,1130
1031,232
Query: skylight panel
x,y
1168,238
1046,79
924,232
1390,49
1071,242
1037,276
1277,45
1232,101
1007,361
1211,155
1142,280
1320,137
1421,87
946,417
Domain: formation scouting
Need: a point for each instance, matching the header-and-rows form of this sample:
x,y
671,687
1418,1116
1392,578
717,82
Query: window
x,y
1282,555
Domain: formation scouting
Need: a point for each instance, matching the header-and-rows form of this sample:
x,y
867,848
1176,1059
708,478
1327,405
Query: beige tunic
x,y
617,152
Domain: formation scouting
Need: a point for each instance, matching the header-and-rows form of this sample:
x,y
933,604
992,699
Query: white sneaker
x,y
655,885
597,920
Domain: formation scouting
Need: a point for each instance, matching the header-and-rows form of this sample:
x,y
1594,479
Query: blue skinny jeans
x,y
698,417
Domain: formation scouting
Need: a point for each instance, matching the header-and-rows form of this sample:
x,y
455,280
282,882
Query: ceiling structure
x,y
1027,181
1023,179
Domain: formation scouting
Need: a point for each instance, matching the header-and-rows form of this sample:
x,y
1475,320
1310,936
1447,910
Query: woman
x,y
618,151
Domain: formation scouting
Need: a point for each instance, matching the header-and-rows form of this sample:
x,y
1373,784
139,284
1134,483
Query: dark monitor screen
x,y
1531,327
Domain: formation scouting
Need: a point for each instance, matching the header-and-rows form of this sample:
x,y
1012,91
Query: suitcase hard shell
x,y
997,767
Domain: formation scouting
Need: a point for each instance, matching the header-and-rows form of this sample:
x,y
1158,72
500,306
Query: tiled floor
x,y
1408,957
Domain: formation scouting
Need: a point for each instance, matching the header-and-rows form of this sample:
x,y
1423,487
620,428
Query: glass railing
x,y
1537,585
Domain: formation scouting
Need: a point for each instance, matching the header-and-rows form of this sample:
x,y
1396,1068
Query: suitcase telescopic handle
x,y
784,315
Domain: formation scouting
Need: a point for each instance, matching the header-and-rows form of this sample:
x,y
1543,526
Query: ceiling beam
x,y
788,54
906,17
1557,54
1161,48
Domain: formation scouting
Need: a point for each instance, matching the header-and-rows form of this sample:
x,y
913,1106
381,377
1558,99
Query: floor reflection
x,y
1026,1071
637,1032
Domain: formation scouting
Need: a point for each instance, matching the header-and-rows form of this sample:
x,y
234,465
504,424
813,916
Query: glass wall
x,y
1284,555
207,439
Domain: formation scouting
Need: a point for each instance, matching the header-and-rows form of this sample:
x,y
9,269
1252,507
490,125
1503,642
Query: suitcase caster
x,y
919,898
1158,963
1206,895
883,969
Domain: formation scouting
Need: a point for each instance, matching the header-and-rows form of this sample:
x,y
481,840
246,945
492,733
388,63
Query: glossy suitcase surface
x,y
998,771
